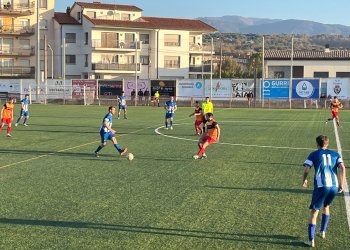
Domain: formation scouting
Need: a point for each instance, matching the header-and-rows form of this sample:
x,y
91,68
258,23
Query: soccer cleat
x,y
195,157
171,127
204,156
326,122
16,124
310,243
25,124
166,128
9,135
323,234
118,117
97,154
124,151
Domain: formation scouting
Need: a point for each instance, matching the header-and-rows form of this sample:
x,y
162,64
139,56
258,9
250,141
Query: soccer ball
x,y
130,157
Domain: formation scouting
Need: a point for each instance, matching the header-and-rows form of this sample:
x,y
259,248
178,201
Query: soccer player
x,y
170,107
326,184
335,105
198,119
7,116
122,105
24,111
212,135
156,98
207,107
107,133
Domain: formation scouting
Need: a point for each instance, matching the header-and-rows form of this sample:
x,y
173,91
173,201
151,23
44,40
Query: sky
x,y
323,11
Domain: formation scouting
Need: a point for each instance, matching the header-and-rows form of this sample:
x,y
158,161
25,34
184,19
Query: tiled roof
x,y
157,23
99,5
307,55
64,18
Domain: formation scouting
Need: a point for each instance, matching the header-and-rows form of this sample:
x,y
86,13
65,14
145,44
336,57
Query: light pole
x,y
211,68
49,46
220,67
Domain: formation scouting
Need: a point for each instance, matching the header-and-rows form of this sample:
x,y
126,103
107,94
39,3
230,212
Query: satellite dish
x,y
110,13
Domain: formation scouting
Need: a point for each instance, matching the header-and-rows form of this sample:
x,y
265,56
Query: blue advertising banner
x,y
306,88
275,89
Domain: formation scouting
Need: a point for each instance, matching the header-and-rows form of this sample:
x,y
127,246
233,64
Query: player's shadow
x,y
271,163
53,153
269,239
283,190
64,125
158,158
59,131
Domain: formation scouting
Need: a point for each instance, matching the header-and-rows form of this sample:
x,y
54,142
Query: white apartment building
x,y
18,22
105,41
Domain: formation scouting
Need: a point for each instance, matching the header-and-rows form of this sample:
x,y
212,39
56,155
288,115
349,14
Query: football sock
x,y
117,146
9,130
98,149
25,120
311,231
201,151
19,118
166,124
324,222
171,123
0,128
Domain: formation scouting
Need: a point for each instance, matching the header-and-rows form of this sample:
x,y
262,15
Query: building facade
x,y
106,41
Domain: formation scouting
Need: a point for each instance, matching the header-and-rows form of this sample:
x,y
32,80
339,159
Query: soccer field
x,y
54,194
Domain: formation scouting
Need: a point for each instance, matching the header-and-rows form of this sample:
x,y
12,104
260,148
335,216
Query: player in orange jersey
x,y
212,135
335,106
198,119
7,116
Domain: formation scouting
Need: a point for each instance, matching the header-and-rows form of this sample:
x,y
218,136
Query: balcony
x,y
22,9
114,45
17,72
115,67
17,52
197,48
17,30
200,68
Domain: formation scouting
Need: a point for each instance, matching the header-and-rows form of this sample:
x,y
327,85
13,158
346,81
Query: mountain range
x,y
238,24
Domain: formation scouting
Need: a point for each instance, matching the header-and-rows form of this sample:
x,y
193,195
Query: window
x,y
71,38
144,38
125,16
86,60
172,62
91,14
24,43
24,63
6,45
129,59
343,74
109,40
172,40
129,38
43,4
86,38
42,65
78,16
278,74
70,59
321,74
23,3
109,59
7,62
144,60
24,23
44,24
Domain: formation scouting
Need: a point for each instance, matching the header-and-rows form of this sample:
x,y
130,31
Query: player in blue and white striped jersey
x,y
107,133
170,107
24,111
326,186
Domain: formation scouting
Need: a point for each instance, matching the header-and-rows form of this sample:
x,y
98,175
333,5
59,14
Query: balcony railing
x,y
199,48
11,51
114,44
17,9
200,68
16,71
16,30
115,67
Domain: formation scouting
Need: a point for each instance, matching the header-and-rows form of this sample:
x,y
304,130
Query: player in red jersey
x,y
7,116
212,135
335,106
198,119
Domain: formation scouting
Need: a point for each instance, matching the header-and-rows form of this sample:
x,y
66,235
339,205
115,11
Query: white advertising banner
x,y
56,89
130,85
190,88
221,88
338,87
11,86
241,87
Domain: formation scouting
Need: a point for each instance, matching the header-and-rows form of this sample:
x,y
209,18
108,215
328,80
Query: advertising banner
x,y
221,89
56,89
164,87
11,86
190,88
78,88
130,85
305,88
275,89
338,87
110,88
241,87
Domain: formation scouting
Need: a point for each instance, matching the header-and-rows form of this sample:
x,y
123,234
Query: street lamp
x,y
49,46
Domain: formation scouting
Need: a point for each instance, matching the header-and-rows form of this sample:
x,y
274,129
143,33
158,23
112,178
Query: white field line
x,y
346,186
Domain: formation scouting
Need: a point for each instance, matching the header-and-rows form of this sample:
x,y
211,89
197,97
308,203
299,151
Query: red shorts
x,y
208,139
334,114
197,123
6,120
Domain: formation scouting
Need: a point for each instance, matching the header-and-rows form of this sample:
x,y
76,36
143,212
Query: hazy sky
x,y
324,11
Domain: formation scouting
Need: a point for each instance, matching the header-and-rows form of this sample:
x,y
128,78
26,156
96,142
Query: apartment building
x,y
104,41
18,21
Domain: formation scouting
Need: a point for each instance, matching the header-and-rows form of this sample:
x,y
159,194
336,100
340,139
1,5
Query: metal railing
x,y
114,44
8,51
17,9
115,67
200,68
199,48
17,71
16,29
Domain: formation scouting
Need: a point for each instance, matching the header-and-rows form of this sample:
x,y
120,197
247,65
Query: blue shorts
x,y
24,113
122,107
105,136
322,197
169,115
